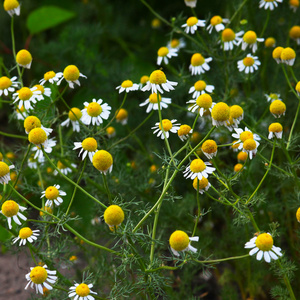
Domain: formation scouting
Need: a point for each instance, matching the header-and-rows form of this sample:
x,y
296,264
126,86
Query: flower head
x,y
209,148
220,114
180,241
249,64
11,210
40,277
154,101
81,291
201,185
8,85
71,74
269,4
263,246
294,34
51,77
24,58
237,114
176,44
74,115
26,235
164,53
270,42
103,161
122,116
26,96
127,86
230,38
238,167
38,137
217,23
275,129
87,146
5,172
200,87
110,131
203,102
242,156
53,195
184,131
198,168
250,147
294,4
277,108
192,24
168,126
243,135
298,214
12,7
250,39
199,64
288,56
272,96
114,216
276,54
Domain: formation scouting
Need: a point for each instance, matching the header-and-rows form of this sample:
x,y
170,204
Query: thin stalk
x,y
287,282
13,135
106,188
199,209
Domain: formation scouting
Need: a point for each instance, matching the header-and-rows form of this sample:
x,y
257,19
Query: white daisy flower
x,y
198,168
8,85
94,112
249,64
242,135
71,74
88,147
199,64
250,147
202,184
12,7
269,4
40,277
154,100
184,132
203,102
44,91
51,77
26,235
81,291
164,53
192,25
12,210
217,23
263,246
5,172
200,87
26,96
74,115
250,39
176,44
168,126
180,241
53,194
229,38
275,129
127,86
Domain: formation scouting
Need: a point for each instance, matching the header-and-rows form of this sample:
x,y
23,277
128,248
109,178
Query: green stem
x,y
13,135
237,11
287,282
266,24
106,188
293,126
199,209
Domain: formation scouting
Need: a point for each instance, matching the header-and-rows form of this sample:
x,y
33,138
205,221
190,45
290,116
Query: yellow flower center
x,y
264,242
235,146
209,146
25,233
10,208
40,88
191,21
94,109
37,136
248,61
5,83
220,112
89,144
287,54
200,85
113,215
49,75
4,169
71,73
167,125
237,167
75,114
295,32
153,98
197,165
202,183
10,4
294,3
60,165
175,43
31,122
110,130
158,77
73,258
270,42
197,60
122,114
23,57
228,35
250,37
298,214
276,54
153,168
102,160
82,290
216,20
249,144
163,51
246,135
126,84
204,101
47,209
275,127
144,79
273,96
242,156
38,275
25,93
51,192
277,107
179,240
236,111
184,130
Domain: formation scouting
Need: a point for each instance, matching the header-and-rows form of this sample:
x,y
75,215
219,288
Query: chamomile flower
x,y
74,115
127,86
288,56
199,64
53,195
114,216
40,278
277,108
103,161
237,114
216,22
294,4
235,146
184,132
32,122
203,102
81,291
297,88
250,39
209,148
143,80
158,83
229,38
168,126
94,112
12,7
200,87
38,137
164,53
270,42
180,241
294,34
250,147
242,156
26,96
272,96
192,24
26,235
176,44
24,58
63,168
87,147
242,135
51,77
44,91
47,148
275,129
237,167
198,168
276,54
122,116
12,210
154,100
8,85
269,4
201,185
190,3
110,131
5,172
220,114
71,74
249,64
263,245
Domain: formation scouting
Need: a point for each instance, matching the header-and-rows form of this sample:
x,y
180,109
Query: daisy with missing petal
x,y
242,135
127,86
164,53
203,102
81,291
5,172
12,7
74,115
217,23
8,85
200,87
199,64
26,96
94,112
229,38
44,91
220,114
103,161
88,147
53,194
249,64
11,210
40,277
24,58
198,168
273,96
158,83
209,149
168,126
122,116
288,56
154,100
201,185
275,129
250,39
250,147
180,241
26,235
184,132
71,74
263,245
51,77
269,4
277,108
192,25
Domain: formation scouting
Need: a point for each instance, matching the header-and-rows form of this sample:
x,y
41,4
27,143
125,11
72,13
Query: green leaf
x,y
47,17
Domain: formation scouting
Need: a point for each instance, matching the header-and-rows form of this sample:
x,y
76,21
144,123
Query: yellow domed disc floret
x,y
200,85
37,136
75,114
237,167
5,83
216,20
167,125
10,4
264,242
23,57
25,93
94,109
82,290
89,144
202,183
48,75
204,101
163,51
298,214
242,156
275,127
277,107
228,35
250,37
31,122
248,61
10,208
113,215
295,32
51,193
249,144
126,84
276,54
236,111
287,54
209,146
122,114
191,21
270,42
184,130
158,77
71,73
246,135
220,112
144,79
179,240
153,98
25,233
197,60
38,275
4,169
197,165
102,160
